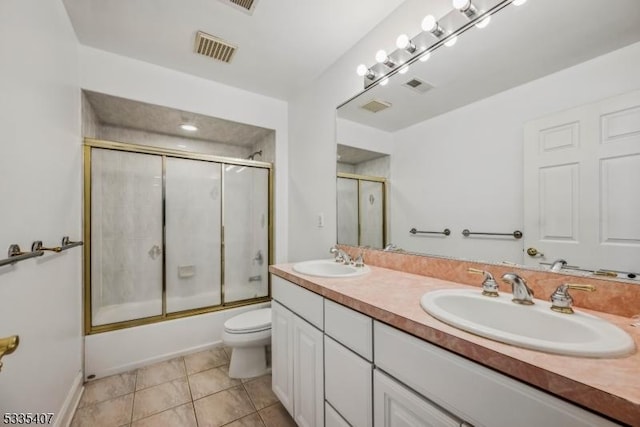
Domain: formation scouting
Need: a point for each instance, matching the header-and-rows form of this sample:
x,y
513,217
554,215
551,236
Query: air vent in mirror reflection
x,y
418,85
375,106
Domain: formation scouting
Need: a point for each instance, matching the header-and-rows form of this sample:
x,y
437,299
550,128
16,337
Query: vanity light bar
x,y
422,45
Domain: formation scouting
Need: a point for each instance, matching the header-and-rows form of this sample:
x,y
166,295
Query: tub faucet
x,y
340,255
522,294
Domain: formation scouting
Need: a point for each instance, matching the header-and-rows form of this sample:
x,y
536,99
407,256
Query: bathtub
x,y
138,310
122,350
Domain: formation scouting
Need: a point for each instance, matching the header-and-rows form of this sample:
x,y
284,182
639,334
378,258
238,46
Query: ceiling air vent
x,y
418,85
214,47
375,106
243,5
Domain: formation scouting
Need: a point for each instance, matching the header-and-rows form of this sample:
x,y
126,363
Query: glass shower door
x,y
347,206
193,233
246,232
126,236
371,214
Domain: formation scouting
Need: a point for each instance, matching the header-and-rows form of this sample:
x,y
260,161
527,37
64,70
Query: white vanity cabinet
x,y
297,352
334,365
348,353
480,396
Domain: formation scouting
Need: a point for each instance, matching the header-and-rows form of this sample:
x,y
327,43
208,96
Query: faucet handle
x,y
489,285
359,261
561,300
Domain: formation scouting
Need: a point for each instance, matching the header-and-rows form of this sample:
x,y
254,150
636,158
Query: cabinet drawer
x,y
470,391
348,383
304,303
352,329
396,405
332,418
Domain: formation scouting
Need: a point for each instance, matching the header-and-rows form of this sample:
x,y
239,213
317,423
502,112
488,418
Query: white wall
x,y
116,75
360,136
463,169
312,132
40,199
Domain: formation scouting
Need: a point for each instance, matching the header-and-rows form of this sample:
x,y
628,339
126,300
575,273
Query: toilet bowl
x,y
249,336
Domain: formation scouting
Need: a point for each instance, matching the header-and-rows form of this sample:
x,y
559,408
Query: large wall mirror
x,y
472,132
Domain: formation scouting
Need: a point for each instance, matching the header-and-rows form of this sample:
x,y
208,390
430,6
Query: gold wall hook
x,y
8,345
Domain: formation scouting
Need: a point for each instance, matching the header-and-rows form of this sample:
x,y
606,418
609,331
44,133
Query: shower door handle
x,y
155,251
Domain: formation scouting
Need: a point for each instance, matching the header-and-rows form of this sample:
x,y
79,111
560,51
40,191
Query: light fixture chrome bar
x,y
377,73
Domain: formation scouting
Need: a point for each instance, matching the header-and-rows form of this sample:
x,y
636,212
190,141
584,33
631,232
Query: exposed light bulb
x,y
381,56
484,22
362,70
403,69
402,41
429,23
425,57
188,127
384,81
452,41
519,2
461,4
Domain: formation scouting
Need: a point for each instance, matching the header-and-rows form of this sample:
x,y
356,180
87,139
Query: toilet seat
x,y
249,322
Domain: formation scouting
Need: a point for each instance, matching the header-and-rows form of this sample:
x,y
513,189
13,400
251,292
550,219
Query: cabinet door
x,y
348,383
308,380
397,406
332,418
282,354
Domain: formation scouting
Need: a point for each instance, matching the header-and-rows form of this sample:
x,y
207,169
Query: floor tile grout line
x,y
133,400
193,404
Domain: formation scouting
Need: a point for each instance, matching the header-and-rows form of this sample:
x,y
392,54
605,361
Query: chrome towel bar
x,y
446,232
16,255
516,234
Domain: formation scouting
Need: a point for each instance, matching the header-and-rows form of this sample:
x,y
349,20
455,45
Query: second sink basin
x,y
535,327
329,268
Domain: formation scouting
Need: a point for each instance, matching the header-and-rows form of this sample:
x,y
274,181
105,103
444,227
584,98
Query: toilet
x,y
249,336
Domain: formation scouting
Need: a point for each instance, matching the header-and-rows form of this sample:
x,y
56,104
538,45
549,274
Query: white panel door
x,y
282,354
308,380
582,185
397,406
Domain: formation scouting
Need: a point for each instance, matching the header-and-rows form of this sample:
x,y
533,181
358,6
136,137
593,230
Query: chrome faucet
x,y
558,265
522,294
340,255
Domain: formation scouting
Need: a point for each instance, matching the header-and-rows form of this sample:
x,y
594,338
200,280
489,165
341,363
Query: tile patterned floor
x,y
190,391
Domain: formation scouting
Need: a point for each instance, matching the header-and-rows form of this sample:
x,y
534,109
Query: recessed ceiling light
x,y
188,127
182,146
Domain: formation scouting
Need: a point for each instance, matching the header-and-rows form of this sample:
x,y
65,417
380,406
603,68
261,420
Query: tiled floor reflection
x,y
190,391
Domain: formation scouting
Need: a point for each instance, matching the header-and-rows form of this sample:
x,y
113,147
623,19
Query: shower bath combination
x,y
154,229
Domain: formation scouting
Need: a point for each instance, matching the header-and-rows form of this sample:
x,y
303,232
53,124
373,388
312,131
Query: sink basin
x,y
329,268
536,327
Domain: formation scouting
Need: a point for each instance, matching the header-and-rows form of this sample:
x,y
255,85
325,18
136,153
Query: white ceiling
x,y
282,46
520,44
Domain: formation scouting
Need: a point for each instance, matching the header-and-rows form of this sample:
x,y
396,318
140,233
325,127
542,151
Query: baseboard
x,y
160,358
65,415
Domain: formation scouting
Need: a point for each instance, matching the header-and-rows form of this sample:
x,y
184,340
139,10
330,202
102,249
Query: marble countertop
x,y
607,386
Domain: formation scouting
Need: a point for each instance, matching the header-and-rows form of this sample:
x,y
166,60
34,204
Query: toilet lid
x,y
254,320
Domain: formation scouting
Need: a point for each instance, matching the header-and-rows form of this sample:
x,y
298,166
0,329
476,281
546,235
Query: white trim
x,y
68,409
151,360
